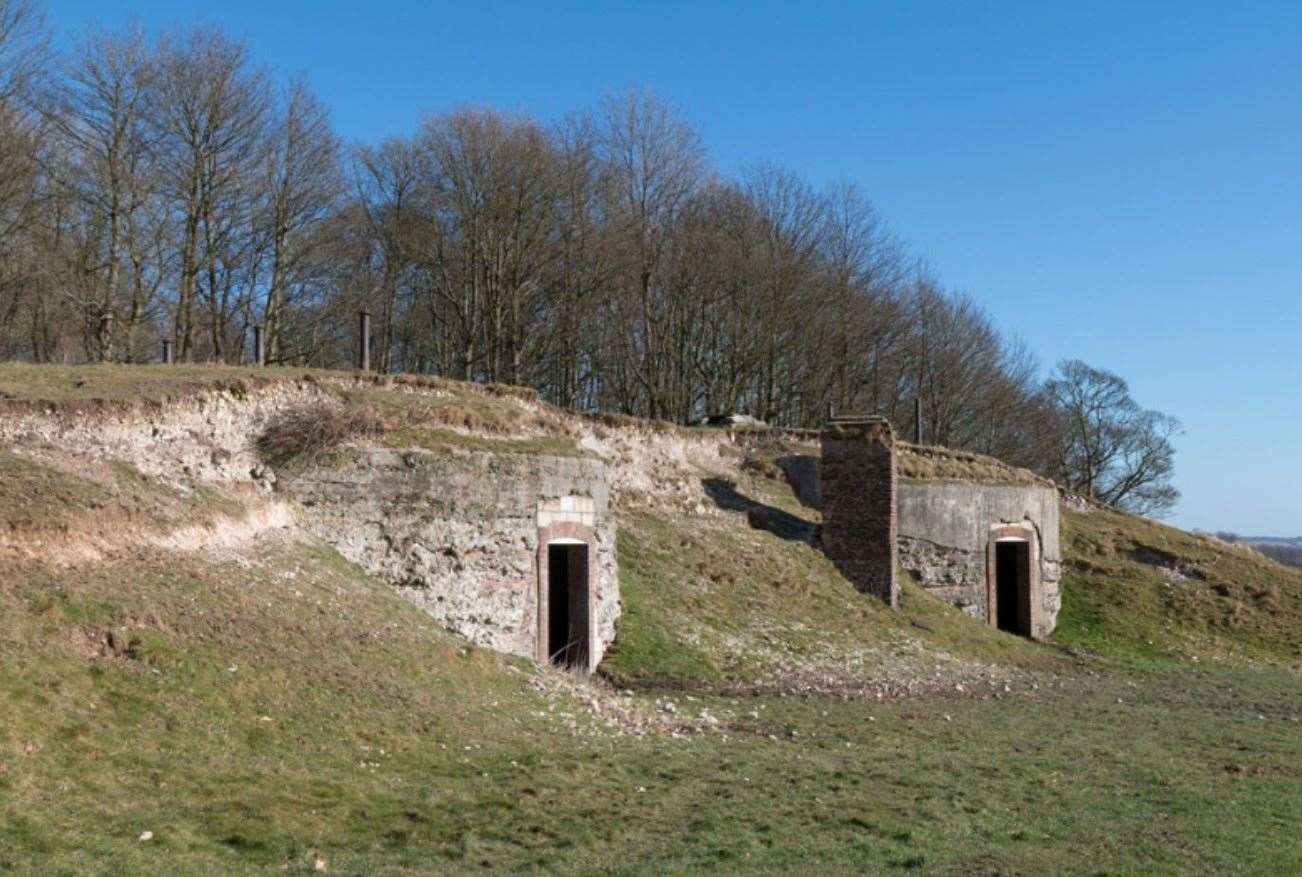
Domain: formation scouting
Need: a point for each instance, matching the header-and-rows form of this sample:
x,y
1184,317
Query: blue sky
x,y
1118,182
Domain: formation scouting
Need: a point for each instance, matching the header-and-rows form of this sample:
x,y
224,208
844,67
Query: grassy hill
x,y
1137,589
262,704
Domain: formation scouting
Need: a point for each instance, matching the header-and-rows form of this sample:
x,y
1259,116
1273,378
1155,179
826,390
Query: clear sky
x,y
1119,182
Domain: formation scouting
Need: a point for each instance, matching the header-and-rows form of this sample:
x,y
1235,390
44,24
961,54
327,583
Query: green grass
x,y
256,708
241,712
713,603
1221,603
390,747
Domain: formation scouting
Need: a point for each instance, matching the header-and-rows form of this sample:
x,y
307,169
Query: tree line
x,y
164,186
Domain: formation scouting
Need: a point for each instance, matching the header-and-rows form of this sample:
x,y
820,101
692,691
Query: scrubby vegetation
x,y
66,388
1137,589
304,437
930,463
266,706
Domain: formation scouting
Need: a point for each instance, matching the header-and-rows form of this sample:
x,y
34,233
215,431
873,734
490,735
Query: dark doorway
x,y
567,605
1013,587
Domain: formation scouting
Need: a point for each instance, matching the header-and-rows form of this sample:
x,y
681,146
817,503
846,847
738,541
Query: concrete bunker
x,y
990,549
485,542
974,532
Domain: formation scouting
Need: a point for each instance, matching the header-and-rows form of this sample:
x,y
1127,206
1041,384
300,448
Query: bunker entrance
x,y
567,604
1013,586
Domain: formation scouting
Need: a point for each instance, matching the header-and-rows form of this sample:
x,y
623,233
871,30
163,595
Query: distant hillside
x,y
1285,553
1135,588
1285,549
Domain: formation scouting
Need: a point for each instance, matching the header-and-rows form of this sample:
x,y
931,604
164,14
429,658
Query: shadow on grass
x,y
760,515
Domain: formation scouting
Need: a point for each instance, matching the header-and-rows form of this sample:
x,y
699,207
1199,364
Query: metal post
x,y
917,420
364,341
167,351
259,346
831,412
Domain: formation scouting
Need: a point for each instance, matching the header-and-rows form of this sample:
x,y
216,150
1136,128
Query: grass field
x,y
257,717
262,709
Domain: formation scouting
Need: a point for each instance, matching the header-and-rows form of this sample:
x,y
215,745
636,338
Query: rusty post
x,y
364,341
167,351
259,346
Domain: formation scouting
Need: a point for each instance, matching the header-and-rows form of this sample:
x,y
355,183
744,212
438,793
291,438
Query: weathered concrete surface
x,y
458,532
945,528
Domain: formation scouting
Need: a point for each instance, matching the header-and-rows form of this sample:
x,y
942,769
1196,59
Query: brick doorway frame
x,y
1024,532
564,532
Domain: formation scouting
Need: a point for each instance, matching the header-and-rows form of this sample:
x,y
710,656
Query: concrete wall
x,y
458,533
945,530
804,475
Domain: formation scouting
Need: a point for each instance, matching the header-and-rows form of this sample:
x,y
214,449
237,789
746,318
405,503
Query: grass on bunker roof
x,y
102,386
933,463
465,416
41,499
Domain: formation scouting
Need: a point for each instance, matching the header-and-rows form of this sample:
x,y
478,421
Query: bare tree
x,y
654,160
24,50
1111,449
581,269
24,59
100,111
302,185
388,180
490,193
212,109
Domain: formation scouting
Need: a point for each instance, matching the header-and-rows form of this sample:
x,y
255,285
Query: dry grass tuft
x,y
764,467
615,420
932,463
304,436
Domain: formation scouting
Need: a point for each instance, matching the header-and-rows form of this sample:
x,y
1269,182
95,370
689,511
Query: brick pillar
x,y
858,483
